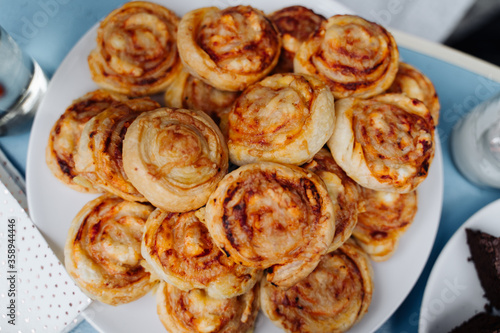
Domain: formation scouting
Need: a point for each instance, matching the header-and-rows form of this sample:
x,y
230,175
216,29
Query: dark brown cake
x,y
480,323
485,254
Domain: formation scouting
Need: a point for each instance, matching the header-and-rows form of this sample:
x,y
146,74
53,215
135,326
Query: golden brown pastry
x,y
354,57
136,52
230,48
175,158
344,192
385,143
65,135
269,215
387,216
180,250
334,297
99,156
189,92
284,118
295,24
103,250
413,83
196,312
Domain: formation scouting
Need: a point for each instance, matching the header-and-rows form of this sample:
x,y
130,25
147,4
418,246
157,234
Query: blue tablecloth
x,y
48,29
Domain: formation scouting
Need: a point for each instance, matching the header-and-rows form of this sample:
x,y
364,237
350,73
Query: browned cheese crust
x,y
387,217
344,192
181,251
103,250
99,156
334,297
230,48
64,136
196,312
385,143
295,24
285,118
413,83
268,215
354,57
136,52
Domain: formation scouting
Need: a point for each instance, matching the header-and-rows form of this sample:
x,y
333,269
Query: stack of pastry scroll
x,y
328,135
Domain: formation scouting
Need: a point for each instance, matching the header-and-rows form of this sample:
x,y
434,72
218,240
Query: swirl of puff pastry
x,y
344,192
103,250
385,143
295,24
354,57
334,297
99,157
413,83
189,92
272,216
136,52
284,118
230,48
181,251
64,136
386,217
195,311
175,158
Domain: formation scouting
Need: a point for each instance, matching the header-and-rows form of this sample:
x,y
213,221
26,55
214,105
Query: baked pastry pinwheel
x,y
354,57
385,143
272,216
189,92
103,250
195,311
344,192
284,118
386,218
175,158
136,52
65,134
99,156
334,297
413,83
229,48
295,24
179,249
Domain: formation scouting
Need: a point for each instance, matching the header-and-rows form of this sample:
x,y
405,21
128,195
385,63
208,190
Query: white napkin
x,y
36,293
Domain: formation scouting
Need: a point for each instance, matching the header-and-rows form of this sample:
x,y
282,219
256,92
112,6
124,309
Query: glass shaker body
x,y
475,144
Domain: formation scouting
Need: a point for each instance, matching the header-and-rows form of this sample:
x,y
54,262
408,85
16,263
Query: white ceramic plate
x,y
453,292
54,205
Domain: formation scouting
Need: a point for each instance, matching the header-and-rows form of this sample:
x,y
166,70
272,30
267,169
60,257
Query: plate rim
x,y
443,255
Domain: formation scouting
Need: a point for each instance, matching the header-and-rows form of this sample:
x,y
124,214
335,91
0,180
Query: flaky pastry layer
x,y
103,250
354,57
413,83
175,158
272,216
195,311
181,251
136,52
344,192
99,156
333,298
65,134
386,218
284,118
385,143
229,48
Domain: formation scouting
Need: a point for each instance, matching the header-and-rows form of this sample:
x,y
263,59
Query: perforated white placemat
x,y
36,293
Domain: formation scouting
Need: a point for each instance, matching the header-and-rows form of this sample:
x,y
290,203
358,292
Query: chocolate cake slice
x,y
480,323
485,254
